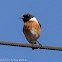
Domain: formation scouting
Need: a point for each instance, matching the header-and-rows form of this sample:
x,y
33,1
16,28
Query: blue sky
x,y
47,12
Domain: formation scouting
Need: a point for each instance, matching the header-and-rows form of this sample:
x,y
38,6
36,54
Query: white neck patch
x,y
33,19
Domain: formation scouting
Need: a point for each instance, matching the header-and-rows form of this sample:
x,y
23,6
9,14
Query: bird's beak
x,y
21,17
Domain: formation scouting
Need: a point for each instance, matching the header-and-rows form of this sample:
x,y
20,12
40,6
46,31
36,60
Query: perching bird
x,y
32,28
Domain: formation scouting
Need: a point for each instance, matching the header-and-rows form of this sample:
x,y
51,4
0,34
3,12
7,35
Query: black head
x,y
27,17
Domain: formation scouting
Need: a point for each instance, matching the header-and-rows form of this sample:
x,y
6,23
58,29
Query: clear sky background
x,y
47,12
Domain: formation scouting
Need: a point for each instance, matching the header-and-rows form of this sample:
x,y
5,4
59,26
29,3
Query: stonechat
x,y
32,28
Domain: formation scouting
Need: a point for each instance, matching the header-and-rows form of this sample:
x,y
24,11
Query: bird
x,y
31,28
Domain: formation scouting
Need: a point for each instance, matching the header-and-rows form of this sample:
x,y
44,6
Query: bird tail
x,y
32,45
35,43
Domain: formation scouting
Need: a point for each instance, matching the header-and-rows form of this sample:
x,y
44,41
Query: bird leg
x,y
40,44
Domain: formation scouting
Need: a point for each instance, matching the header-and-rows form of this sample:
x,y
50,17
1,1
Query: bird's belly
x,y
32,36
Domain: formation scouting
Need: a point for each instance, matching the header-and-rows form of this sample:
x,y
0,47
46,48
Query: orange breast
x,y
31,25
